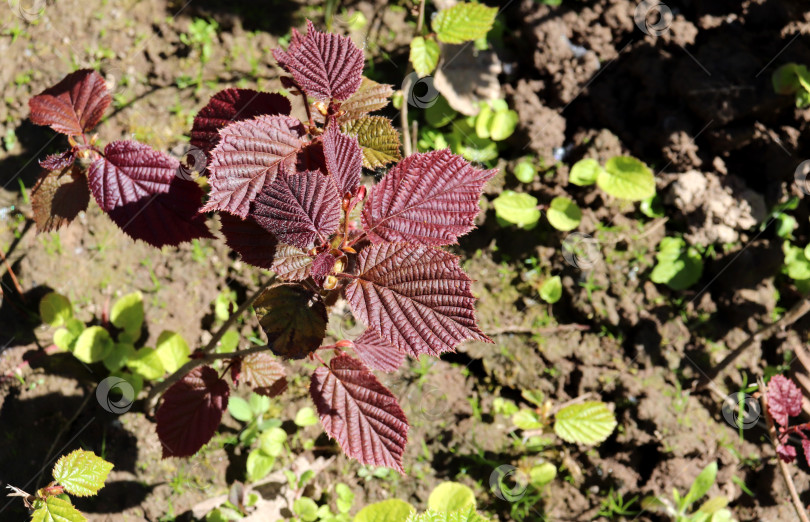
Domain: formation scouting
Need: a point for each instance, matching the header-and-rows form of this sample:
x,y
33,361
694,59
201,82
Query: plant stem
x,y
407,85
13,277
783,468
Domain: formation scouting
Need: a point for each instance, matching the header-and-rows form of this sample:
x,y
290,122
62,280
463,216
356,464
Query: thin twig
x,y
407,85
794,495
13,277
794,314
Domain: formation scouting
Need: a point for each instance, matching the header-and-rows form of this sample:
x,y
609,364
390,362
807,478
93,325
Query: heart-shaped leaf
x,y
81,472
376,353
73,106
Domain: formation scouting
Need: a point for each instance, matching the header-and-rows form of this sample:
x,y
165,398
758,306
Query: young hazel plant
x,y
288,192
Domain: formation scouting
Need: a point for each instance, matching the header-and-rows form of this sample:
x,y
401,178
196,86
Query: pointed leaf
x,y
58,161
417,298
294,319
140,190
326,66
360,413
344,160
249,155
55,509
429,198
786,452
191,411
282,56
376,353
299,209
81,472
292,263
74,105
370,97
58,197
250,240
586,423
784,399
322,266
702,484
378,139
463,22
229,106
424,55
264,374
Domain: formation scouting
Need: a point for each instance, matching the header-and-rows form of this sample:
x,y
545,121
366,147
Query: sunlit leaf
x,y
81,472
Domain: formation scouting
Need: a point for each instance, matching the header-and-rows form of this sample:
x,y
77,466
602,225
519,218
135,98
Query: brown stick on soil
x,y
13,277
783,468
794,314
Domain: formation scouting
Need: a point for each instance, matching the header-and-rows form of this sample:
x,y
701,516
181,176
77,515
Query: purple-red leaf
x,y
249,155
73,106
232,105
294,319
360,413
416,298
292,263
786,452
251,241
58,197
806,450
322,266
282,56
326,66
140,190
191,411
344,159
264,374
784,399
58,161
376,353
429,198
299,208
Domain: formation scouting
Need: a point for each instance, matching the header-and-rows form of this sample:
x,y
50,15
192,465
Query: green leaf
x,y
259,404
503,125
93,345
272,441
713,505
118,356
483,120
625,177
392,510
451,496
147,364
424,55
796,263
239,409
525,171
564,214
306,509
785,79
55,309
652,207
536,397
463,22
172,350
229,342
551,291
542,474
517,208
65,338
463,515
54,509
127,314
584,172
258,465
224,302
527,420
306,417
679,266
440,113
345,498
81,473
702,484
378,138
586,423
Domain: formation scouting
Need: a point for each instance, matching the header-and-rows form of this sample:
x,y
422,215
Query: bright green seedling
x,y
79,473
793,79
563,214
678,508
525,171
678,266
516,208
448,502
262,433
588,423
622,177
551,290
495,120
113,341
797,265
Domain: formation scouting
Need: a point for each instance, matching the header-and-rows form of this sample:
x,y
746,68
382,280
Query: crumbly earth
x,y
695,103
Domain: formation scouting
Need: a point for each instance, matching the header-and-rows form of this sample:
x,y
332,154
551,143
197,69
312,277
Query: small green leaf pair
x,y
623,177
521,209
679,266
449,501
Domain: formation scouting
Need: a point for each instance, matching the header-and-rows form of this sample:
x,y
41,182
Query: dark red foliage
x,y
140,190
58,161
250,240
344,160
73,106
191,411
376,353
264,374
784,401
322,266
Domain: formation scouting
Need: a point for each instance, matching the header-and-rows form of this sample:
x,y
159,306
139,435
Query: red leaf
x,y
360,413
784,399
326,66
299,208
311,157
264,374
73,106
429,198
191,411
806,450
140,190
786,452
282,56
344,159
376,353
292,263
249,155
322,266
416,298
231,105
58,161
58,197
294,319
253,243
